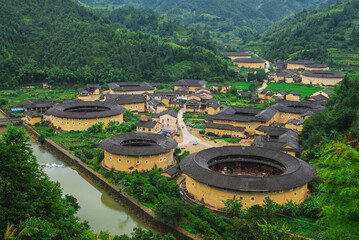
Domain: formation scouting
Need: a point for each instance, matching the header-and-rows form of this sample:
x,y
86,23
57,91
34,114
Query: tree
x,y
255,214
28,199
170,210
338,191
233,206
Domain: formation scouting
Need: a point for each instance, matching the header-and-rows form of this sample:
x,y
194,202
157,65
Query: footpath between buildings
x,y
145,212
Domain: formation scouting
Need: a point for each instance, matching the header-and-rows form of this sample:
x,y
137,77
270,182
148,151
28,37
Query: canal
x,y
97,207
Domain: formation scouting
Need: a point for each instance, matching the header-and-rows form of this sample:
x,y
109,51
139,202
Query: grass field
x,y
15,97
304,90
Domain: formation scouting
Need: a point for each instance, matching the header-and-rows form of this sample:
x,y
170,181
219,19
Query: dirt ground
x,y
89,97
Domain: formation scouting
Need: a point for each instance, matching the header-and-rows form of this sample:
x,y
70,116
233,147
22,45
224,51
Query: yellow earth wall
x,y
295,66
190,89
214,196
135,107
156,129
211,110
221,132
316,69
323,81
299,128
250,65
235,57
140,163
73,124
293,98
250,126
33,120
133,92
281,117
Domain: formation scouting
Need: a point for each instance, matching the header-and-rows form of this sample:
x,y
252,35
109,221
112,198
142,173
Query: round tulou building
x,y
78,115
251,174
138,151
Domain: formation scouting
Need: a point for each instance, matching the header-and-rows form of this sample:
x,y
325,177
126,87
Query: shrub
x,y
41,138
170,210
202,131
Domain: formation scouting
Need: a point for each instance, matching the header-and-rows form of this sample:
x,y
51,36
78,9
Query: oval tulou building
x,y
78,115
138,151
251,174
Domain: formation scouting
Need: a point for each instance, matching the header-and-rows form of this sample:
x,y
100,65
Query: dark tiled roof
x,y
297,107
172,171
237,114
157,103
323,74
272,131
319,97
146,124
32,114
38,103
138,144
86,110
169,112
190,83
249,60
236,54
122,99
93,86
170,93
130,86
296,172
327,91
288,138
225,127
294,93
317,65
302,62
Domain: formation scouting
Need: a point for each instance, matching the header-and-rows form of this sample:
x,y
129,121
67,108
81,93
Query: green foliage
x,y
129,116
30,200
97,52
303,90
170,210
340,117
183,155
338,190
41,138
233,206
96,128
178,151
142,234
309,34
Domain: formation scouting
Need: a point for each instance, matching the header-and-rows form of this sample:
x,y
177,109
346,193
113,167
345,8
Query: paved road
x,y
188,138
264,85
267,66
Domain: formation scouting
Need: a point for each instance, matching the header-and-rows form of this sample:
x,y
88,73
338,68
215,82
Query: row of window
x,y
73,123
137,161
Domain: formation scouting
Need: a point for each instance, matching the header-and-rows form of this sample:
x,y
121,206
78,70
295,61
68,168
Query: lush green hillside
x,y
60,41
316,34
231,21
276,10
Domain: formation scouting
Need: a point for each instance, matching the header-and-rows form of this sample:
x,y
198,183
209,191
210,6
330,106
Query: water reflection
x,y
97,207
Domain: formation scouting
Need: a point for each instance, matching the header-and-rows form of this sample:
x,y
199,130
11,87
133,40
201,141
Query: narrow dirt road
x,y
264,85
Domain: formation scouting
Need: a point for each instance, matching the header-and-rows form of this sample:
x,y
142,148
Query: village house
x,y
167,119
325,92
294,124
235,55
250,62
130,88
292,96
156,106
32,117
327,78
139,151
148,126
38,105
90,89
134,103
278,139
249,174
299,64
190,84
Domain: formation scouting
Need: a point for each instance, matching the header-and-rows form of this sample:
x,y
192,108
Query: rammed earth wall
x,y
145,212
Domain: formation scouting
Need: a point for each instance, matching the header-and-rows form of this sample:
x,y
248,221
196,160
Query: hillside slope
x,y
315,34
60,41
233,21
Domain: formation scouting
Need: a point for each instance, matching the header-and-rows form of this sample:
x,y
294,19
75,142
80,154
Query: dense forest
x,y
313,34
62,42
235,21
330,144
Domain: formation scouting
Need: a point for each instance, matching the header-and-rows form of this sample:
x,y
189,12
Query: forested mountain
x,y
315,34
60,41
228,21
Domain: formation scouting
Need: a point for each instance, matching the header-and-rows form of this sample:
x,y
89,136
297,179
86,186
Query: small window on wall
x,y
110,158
137,162
128,161
73,123
295,194
240,198
79,123
193,184
136,106
146,161
281,191
85,123
62,122
119,160
160,159
266,198
252,199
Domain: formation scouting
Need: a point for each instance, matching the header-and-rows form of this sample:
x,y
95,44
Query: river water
x,y
97,207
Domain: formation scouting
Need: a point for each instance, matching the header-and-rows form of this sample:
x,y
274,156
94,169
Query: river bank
x,y
145,213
